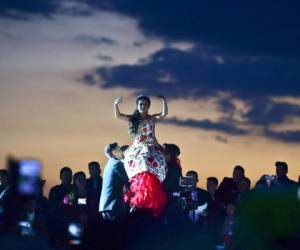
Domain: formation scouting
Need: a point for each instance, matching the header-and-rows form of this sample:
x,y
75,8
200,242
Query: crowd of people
x,y
91,213
144,201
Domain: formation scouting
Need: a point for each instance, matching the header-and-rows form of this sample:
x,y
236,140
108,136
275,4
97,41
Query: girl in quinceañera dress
x,y
144,161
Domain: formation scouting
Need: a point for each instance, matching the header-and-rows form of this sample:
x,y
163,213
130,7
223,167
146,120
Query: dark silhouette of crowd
x,y
90,212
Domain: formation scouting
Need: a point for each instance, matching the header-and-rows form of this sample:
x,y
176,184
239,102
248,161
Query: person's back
x,y
114,178
171,183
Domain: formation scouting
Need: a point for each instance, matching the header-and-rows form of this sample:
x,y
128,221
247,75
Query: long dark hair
x,y
136,116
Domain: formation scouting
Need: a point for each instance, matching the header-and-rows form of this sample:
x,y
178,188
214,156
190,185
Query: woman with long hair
x,y
144,161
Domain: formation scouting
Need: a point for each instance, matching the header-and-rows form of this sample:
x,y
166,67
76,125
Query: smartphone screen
x,y
28,177
82,201
75,231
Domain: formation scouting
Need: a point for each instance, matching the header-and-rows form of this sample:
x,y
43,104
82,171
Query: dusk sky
x,y
229,69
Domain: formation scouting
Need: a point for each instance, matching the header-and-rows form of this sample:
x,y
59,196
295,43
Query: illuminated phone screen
x,y
82,201
29,176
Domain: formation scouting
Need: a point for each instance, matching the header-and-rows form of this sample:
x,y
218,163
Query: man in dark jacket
x,y
112,205
94,186
58,192
171,183
228,189
281,179
199,197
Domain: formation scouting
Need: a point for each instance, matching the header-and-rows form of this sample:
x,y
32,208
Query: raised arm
x,y
117,112
164,109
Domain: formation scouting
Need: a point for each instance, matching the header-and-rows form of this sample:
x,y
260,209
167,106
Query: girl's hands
x,y
119,100
161,97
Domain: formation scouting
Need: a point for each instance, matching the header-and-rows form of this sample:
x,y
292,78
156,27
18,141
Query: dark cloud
x,y
253,27
285,136
24,9
264,111
240,27
199,73
89,79
105,58
20,9
231,129
221,139
207,125
139,44
226,106
95,40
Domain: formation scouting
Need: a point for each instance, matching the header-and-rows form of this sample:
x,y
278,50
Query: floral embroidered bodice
x,y
145,133
145,154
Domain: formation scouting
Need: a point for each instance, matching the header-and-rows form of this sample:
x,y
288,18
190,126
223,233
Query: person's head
x,y
4,177
261,184
113,150
230,209
238,173
193,174
171,151
94,169
79,179
244,184
212,184
66,175
281,169
142,104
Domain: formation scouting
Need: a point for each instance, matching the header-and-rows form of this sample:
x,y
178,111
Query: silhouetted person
x,y
78,191
173,214
76,202
228,188
215,211
212,186
264,182
243,185
171,183
112,205
57,221
199,197
58,192
94,186
281,179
